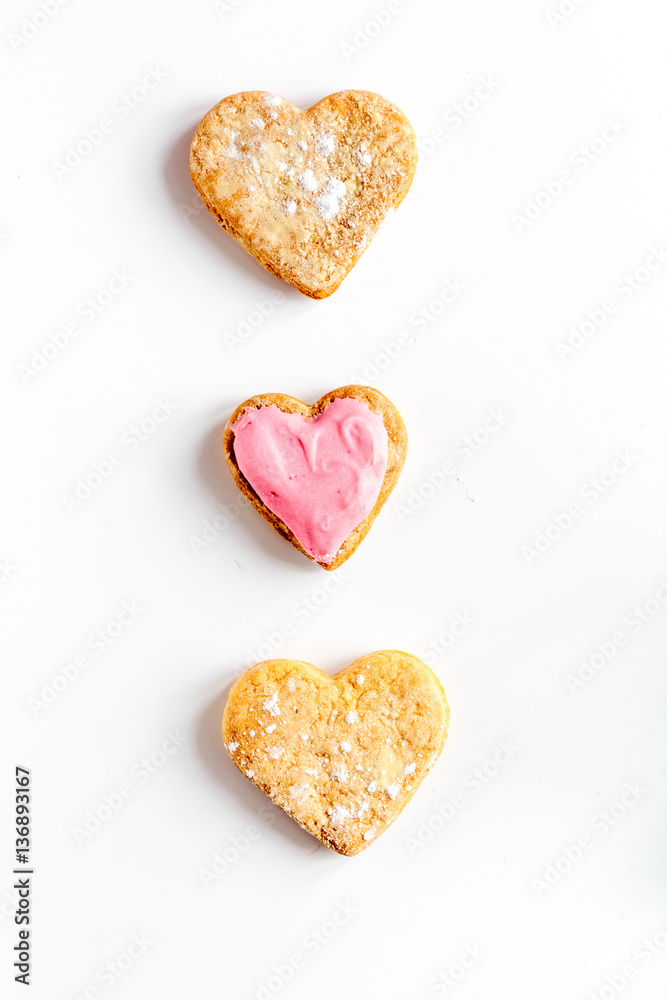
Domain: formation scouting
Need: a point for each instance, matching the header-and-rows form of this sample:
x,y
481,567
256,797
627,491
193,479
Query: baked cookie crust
x,y
341,755
304,191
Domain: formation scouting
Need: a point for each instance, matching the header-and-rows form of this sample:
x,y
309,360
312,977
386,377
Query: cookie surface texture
x,y
341,755
304,191
318,474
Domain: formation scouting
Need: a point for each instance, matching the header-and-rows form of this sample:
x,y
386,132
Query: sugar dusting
x,y
271,704
330,201
338,814
311,172
326,143
308,181
232,149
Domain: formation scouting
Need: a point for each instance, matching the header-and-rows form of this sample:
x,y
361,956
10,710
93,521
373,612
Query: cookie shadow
x,y
218,481
253,801
199,222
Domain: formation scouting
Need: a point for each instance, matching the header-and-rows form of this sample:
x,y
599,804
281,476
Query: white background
x,y
469,548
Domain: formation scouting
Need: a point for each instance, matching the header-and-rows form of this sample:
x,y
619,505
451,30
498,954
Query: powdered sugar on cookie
x,y
344,163
326,143
271,704
332,199
344,785
308,181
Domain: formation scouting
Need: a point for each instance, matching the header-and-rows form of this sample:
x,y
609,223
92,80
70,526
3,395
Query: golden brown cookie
x,y
304,191
319,474
341,755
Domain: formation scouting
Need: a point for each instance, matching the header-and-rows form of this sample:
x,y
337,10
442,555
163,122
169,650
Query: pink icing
x,y
321,476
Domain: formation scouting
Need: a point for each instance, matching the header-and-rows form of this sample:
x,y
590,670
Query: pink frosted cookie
x,y
304,191
319,474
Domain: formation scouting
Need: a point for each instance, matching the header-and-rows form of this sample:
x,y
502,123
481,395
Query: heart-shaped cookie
x,y
319,474
304,191
341,755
